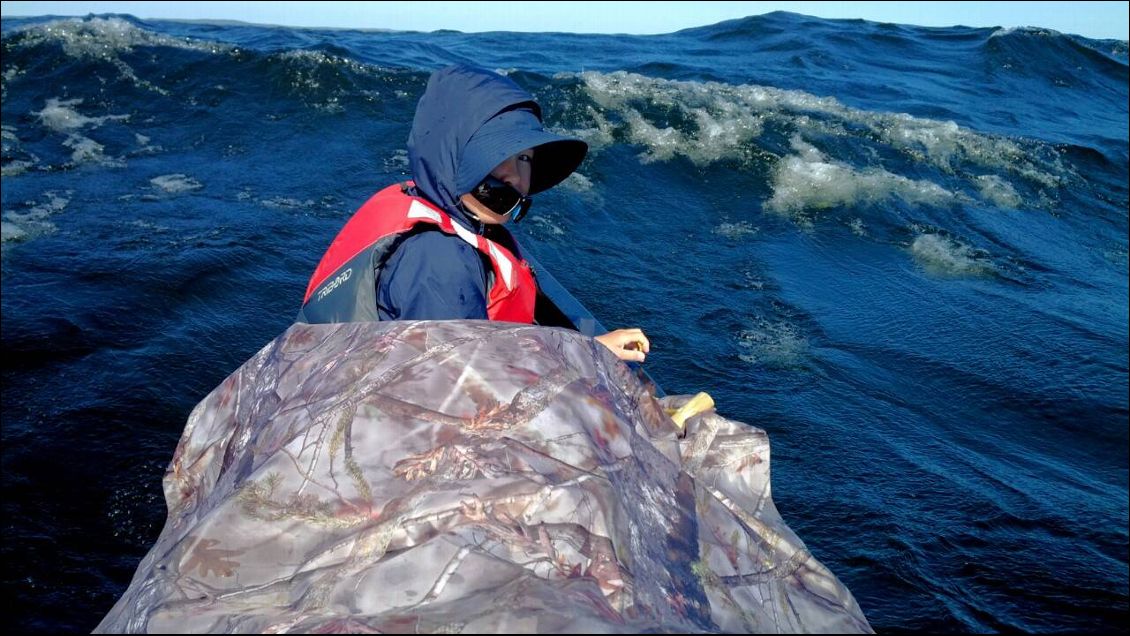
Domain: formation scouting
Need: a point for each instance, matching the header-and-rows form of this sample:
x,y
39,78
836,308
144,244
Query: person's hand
x,y
627,344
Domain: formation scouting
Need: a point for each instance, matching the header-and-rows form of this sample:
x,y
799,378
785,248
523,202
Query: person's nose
x,y
516,174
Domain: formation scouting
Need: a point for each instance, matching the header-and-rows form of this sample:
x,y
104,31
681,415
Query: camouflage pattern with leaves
x,y
467,476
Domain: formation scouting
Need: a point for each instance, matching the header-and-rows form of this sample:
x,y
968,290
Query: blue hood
x,y
456,103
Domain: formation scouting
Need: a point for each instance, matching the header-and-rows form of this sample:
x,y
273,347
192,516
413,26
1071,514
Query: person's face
x,y
516,171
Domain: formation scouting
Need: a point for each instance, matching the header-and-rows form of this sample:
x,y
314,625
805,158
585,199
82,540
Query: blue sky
x,y
1100,20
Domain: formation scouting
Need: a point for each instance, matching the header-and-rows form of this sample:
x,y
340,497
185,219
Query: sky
x,y
1098,20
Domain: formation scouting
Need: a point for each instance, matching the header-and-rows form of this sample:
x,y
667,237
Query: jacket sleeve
x,y
432,276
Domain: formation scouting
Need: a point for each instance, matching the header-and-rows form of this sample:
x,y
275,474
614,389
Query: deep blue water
x,y
902,251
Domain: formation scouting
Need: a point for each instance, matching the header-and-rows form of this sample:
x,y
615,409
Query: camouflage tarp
x,y
467,476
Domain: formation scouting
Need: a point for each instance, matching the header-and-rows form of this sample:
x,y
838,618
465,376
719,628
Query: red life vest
x,y
343,287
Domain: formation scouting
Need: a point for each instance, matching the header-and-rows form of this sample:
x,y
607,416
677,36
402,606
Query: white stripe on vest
x,y
504,265
418,210
466,235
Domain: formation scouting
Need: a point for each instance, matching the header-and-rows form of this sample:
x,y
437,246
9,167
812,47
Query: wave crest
x,y
758,126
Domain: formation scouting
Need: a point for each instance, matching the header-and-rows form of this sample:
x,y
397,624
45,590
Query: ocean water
x,y
901,251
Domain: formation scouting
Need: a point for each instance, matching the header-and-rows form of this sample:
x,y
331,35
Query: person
x,y
436,247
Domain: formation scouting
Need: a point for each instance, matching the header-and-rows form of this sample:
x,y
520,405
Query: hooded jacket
x,y
433,275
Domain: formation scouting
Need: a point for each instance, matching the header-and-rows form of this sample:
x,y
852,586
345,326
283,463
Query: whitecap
x,y
577,182
60,116
175,183
106,38
35,221
707,122
944,256
809,181
998,191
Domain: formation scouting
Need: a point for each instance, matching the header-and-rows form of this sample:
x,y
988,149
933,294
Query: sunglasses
x,y
502,199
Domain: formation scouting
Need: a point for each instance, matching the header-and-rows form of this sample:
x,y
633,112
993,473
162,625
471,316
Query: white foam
x,y
16,168
809,181
663,143
59,116
36,221
286,203
753,281
722,126
947,257
948,146
398,162
11,232
598,136
306,67
739,230
998,191
62,116
106,38
577,182
544,225
1025,30
716,121
934,141
312,59
175,183
9,75
86,150
774,344
144,147
10,146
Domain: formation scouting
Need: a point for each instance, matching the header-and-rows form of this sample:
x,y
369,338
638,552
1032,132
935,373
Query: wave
x,y
1058,57
806,156
814,152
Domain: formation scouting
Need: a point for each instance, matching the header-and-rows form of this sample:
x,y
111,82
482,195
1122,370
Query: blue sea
x,y
901,251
